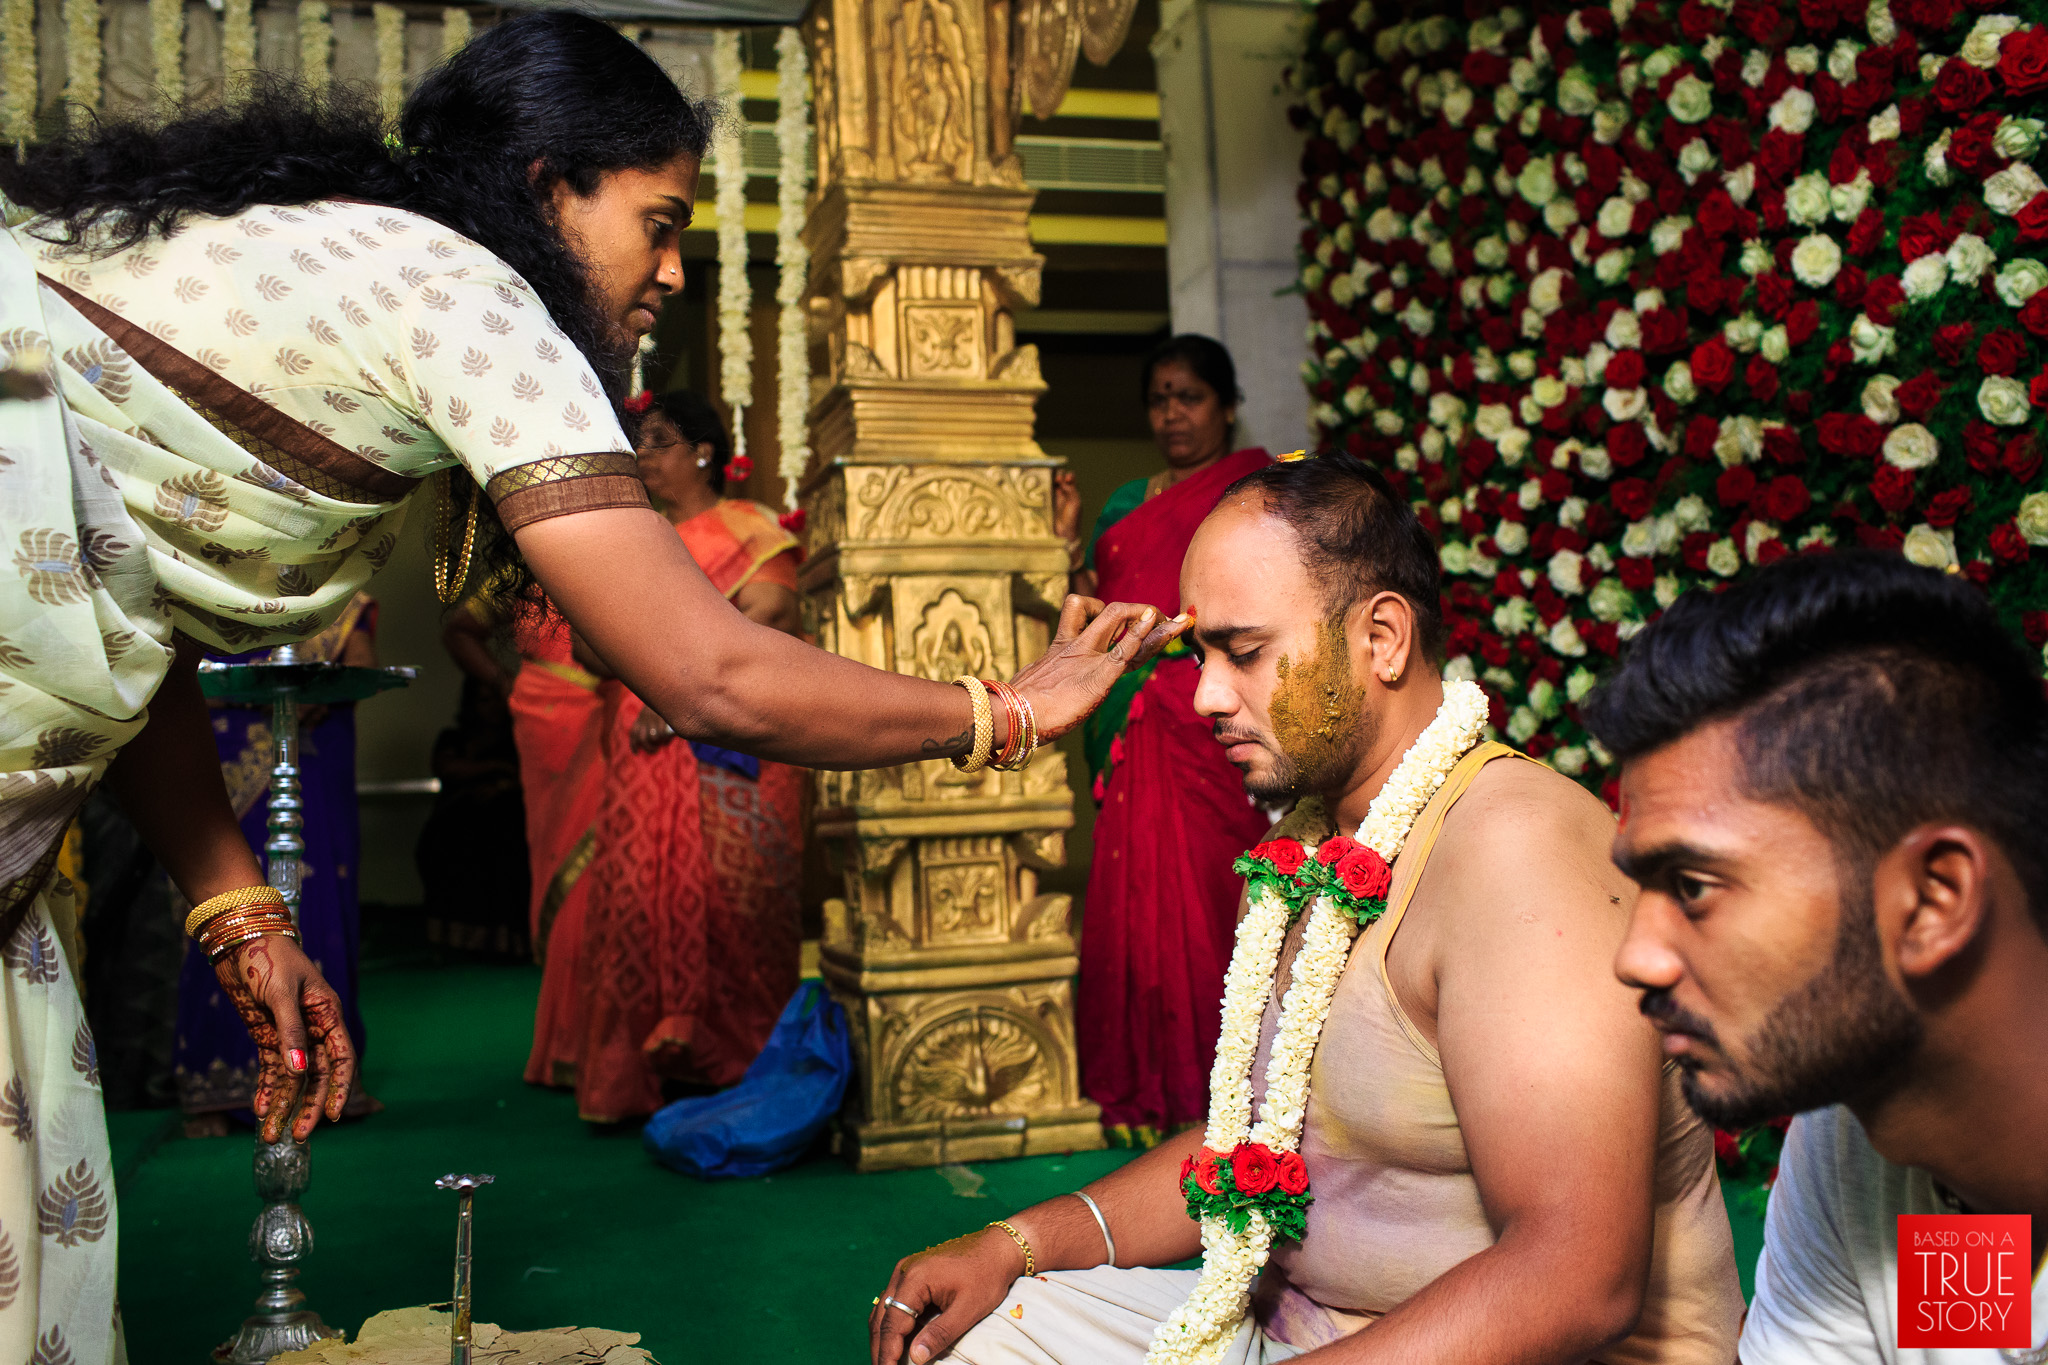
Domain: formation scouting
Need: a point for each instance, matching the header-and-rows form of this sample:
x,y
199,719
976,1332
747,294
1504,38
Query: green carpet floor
x,y
581,1228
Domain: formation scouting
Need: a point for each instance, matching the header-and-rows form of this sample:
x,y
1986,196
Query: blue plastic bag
x,y
777,1110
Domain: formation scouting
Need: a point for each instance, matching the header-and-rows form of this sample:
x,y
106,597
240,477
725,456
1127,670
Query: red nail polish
x,y
298,1059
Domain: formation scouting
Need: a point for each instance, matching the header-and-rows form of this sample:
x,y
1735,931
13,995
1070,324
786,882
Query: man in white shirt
x,y
1834,797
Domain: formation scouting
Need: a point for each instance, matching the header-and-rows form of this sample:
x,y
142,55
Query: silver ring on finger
x,y
899,1304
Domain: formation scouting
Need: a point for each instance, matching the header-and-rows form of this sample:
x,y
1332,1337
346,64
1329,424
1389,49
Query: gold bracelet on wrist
x,y
1030,1265
984,726
227,932
242,898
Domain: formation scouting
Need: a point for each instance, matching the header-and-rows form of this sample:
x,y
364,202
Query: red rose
x,y
1921,235
1663,331
1292,1174
1884,298
1205,1172
1187,1168
1253,1168
1626,370
1713,364
1700,434
1952,341
1635,572
1802,321
1332,851
2037,389
1919,395
1365,874
2008,546
1819,16
2033,218
2023,60
2034,314
2034,623
1981,445
1736,486
1867,232
1762,378
2004,350
1784,498
2022,458
1849,286
1849,433
1626,444
1893,488
1779,154
1693,550
1284,854
1773,294
1944,507
1970,150
1960,86
1632,498
1782,444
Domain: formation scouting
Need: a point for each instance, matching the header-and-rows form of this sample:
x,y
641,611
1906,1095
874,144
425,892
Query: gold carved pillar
x,y
930,550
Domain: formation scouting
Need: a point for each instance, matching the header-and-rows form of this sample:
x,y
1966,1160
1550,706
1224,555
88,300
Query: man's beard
x,y
1834,1040
1290,778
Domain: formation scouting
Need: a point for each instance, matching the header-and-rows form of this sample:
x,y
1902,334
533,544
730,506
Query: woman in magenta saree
x,y
1172,815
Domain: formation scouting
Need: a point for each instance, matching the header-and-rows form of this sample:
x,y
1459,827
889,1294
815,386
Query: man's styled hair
x,y
1872,696
1356,536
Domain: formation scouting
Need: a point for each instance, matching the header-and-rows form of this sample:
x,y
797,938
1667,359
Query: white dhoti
x,y
1103,1316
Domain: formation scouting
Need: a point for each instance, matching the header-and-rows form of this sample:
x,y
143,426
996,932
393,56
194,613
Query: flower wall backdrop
x,y
1631,297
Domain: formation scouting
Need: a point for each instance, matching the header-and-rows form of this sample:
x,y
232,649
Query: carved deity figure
x,y
932,118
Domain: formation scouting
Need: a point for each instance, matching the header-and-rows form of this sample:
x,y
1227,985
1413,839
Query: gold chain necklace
x,y
451,566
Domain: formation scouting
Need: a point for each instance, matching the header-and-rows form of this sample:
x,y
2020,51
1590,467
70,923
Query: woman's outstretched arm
x,y
625,582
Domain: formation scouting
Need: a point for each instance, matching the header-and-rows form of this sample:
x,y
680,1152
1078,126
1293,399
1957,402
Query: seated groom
x,y
1834,792
1495,1164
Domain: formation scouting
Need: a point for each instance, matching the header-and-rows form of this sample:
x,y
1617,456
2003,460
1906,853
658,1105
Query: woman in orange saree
x,y
690,936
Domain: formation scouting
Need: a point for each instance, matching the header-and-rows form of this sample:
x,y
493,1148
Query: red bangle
x,y
1015,732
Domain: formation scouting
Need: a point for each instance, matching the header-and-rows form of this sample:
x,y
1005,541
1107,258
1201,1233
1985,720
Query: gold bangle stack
x,y
1022,741
1030,1265
234,918
242,898
984,726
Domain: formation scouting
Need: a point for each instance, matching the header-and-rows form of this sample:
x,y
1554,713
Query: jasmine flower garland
x,y
1249,1184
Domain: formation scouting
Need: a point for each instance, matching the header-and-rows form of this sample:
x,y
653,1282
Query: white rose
x,y
2012,189
1802,61
2033,518
1613,265
1929,548
1512,537
1625,405
1925,277
1639,539
1981,47
1692,99
1740,441
1878,403
1816,260
1624,330
1570,760
2020,280
1492,420
1884,127
1565,569
1387,422
1695,159
1418,317
1819,535
1538,181
1660,64
1564,639
1743,333
1756,258
1776,345
1842,60
1546,291
1849,201
1666,589
1522,364
1678,382
1559,215
1616,217
1870,342
1543,698
1458,105
1759,534
1610,121
1806,199
1513,446
1723,558
1741,182
1609,601
1506,103
1668,234
1596,463
1490,252
1549,391
1911,446
2017,138
1793,110
1879,20
1968,258
1690,514
2002,400
1577,95
1572,513
1936,161
1514,616
1522,724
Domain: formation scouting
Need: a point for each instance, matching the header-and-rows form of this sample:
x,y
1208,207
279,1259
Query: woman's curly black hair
x,y
546,98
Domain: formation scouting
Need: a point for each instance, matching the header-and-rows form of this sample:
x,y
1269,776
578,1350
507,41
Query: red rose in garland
x,y
1292,1174
1253,1169
1206,1172
1286,855
1365,874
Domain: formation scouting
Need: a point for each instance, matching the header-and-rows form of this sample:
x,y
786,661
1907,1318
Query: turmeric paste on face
x,y
1317,709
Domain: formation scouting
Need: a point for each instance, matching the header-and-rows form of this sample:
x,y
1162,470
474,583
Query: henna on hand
x,y
271,983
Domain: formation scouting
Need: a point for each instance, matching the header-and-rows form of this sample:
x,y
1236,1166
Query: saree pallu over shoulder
x,y
735,542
